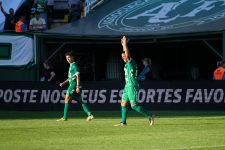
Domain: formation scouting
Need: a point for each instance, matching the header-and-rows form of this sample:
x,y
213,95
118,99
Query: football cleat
x,y
61,119
151,120
120,124
89,118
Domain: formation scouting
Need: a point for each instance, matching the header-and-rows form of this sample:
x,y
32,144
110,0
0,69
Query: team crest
x,y
160,15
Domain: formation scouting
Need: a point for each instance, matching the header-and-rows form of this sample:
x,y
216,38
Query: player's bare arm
x,y
124,42
63,83
78,83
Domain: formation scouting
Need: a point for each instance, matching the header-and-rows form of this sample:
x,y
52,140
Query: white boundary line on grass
x,y
193,147
194,118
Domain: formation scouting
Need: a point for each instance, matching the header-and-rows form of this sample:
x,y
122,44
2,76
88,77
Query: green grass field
x,y
173,130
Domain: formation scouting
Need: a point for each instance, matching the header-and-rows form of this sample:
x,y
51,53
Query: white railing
x,y
91,4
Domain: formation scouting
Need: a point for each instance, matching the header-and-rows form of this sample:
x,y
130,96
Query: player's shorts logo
x,y
159,15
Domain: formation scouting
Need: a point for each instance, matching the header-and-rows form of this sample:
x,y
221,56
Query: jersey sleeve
x,y
129,64
76,69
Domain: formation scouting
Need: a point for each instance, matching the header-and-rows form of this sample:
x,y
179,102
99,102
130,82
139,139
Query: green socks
x,y
66,107
86,110
124,114
141,111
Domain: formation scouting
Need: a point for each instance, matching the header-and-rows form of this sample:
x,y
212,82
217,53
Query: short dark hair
x,y
70,53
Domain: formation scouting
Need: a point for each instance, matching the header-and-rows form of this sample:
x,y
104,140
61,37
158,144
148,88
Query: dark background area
x,y
170,60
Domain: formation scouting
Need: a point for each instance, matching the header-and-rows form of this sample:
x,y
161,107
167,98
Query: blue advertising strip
x,y
106,95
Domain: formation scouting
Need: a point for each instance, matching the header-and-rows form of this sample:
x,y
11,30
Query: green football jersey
x,y
73,71
131,73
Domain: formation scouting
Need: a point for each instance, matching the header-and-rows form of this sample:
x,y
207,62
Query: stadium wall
x,y
105,95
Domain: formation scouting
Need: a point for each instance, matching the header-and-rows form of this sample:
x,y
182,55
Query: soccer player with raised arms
x,y
73,92
131,88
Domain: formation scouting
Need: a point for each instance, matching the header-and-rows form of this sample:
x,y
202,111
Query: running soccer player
x,y
73,92
131,88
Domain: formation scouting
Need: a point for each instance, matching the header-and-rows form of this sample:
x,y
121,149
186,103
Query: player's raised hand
x,y
124,41
121,41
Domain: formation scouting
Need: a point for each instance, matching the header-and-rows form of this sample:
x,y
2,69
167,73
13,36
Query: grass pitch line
x,y
194,147
191,118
